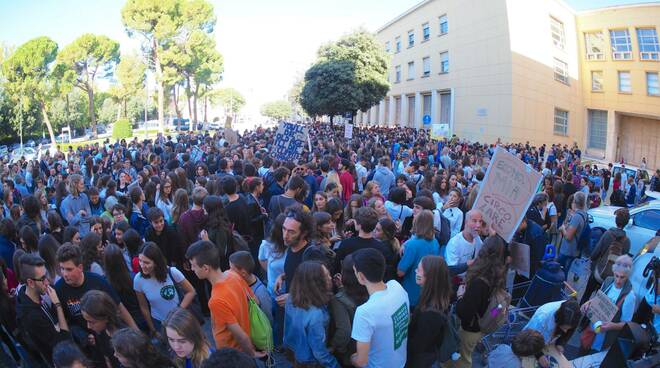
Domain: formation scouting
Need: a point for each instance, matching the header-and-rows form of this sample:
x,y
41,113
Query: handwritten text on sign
x,y
601,308
506,192
289,141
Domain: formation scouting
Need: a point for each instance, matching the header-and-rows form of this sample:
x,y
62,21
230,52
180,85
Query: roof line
x,y
623,6
398,17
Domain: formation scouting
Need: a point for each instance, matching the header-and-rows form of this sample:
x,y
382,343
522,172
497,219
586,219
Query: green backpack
x,y
261,332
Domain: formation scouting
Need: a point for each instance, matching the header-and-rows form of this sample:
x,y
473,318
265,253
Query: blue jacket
x,y
385,179
139,222
70,211
304,334
7,248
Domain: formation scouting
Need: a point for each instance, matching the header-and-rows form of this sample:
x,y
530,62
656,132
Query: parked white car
x,y
644,222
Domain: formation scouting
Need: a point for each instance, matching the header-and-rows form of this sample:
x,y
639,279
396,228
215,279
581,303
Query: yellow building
x,y
528,70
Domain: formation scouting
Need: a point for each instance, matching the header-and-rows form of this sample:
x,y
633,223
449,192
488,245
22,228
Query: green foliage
x,y
349,75
122,129
229,98
278,110
130,74
86,58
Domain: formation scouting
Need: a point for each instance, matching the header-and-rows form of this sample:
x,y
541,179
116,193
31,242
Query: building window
x,y
561,122
595,45
597,129
444,62
397,74
444,27
624,82
426,31
597,81
411,38
558,35
411,70
652,84
561,71
387,46
397,43
621,46
648,44
426,65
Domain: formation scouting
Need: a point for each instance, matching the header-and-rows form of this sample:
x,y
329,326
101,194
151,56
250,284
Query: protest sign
x,y
231,136
290,141
196,154
520,258
506,192
348,131
578,275
439,131
601,308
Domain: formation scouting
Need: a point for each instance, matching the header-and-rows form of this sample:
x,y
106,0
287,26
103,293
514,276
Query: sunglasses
x,y
42,279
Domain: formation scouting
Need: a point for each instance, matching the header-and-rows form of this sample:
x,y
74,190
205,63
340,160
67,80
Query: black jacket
x,y
37,325
169,243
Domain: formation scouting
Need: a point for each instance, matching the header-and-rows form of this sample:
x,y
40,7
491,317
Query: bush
x,y
122,129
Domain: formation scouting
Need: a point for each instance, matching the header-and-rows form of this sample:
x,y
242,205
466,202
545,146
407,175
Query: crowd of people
x,y
364,252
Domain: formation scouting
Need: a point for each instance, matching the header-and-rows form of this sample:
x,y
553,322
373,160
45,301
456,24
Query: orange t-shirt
x,y
229,304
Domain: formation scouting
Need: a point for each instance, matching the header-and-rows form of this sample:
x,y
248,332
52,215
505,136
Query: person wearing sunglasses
x,y
39,313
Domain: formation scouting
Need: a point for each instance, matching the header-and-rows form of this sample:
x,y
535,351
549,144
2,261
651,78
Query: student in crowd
x,y
242,263
464,246
185,339
75,207
306,317
385,231
349,296
219,229
526,346
155,286
556,322
165,237
452,212
295,188
44,324
429,318
483,278
396,206
92,249
380,325
48,251
121,280
236,207
67,354
320,200
572,230
257,214
272,253
71,235
193,220
134,350
421,244
228,303
100,312
230,358
74,284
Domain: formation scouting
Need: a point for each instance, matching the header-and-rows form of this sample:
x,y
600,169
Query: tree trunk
x,y
177,110
206,103
195,93
92,116
188,98
159,86
121,104
44,112
126,107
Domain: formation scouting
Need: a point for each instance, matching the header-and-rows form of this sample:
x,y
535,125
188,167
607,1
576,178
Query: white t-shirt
x,y
459,250
455,217
383,322
627,311
162,296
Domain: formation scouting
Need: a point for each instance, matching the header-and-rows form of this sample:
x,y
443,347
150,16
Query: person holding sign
x,y
618,290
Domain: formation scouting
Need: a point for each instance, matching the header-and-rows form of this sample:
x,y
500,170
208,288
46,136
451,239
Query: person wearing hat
x,y
403,164
109,204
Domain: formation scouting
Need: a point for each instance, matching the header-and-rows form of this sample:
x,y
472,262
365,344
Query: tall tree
x,y
158,22
27,72
356,64
229,98
130,75
84,60
278,110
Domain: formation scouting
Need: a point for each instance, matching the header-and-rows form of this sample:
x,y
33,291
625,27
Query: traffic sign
x,y
427,119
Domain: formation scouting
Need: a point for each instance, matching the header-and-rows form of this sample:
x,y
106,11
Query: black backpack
x,y
443,234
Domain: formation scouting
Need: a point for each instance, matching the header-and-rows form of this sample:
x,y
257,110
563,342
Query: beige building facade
x,y
522,70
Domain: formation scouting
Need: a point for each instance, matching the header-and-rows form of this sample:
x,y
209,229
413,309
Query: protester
x,y
464,246
527,344
100,312
67,354
556,322
134,350
185,339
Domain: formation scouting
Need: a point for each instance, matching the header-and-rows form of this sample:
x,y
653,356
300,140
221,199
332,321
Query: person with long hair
x,y
350,294
352,205
138,210
7,240
185,339
306,316
75,207
379,205
253,188
272,252
556,322
335,209
372,190
100,312
92,248
422,243
121,280
218,229
485,276
452,212
320,201
324,229
48,246
71,235
134,350
155,286
28,239
385,231
429,319
181,204
164,198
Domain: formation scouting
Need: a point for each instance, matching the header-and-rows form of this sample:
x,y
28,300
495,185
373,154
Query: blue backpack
x,y
584,240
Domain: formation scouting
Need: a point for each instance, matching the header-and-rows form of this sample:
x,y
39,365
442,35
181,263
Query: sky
x,y
266,44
